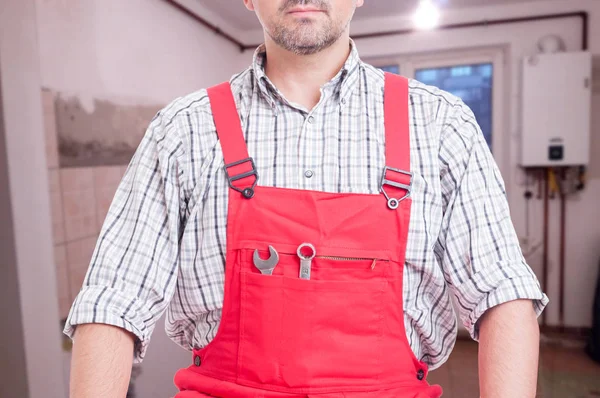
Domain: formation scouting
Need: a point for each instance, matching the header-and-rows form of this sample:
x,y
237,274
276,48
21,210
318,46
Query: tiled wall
x,y
80,199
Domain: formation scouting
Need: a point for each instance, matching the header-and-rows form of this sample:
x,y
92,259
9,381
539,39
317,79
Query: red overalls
x,y
340,333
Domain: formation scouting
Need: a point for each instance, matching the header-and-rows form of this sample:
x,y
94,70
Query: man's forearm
x,y
101,364
509,339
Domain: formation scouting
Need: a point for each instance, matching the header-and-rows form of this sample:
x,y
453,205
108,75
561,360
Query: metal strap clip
x,y
393,203
249,191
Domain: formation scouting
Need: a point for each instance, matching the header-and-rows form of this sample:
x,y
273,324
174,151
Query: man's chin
x,y
306,50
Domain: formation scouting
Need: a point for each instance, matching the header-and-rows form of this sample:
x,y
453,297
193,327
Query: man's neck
x,y
300,77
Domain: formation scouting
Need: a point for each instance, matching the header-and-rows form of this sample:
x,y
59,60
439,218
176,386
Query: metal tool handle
x,y
306,261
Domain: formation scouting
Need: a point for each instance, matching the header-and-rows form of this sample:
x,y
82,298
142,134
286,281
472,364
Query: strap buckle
x,y
394,203
248,192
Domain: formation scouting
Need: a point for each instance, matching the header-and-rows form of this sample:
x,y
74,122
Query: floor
x,y
565,372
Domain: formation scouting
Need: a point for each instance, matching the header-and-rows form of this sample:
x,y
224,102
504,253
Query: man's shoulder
x,y
426,93
197,102
439,106
194,102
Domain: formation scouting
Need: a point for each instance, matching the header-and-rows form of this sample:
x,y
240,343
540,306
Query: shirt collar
x,y
345,80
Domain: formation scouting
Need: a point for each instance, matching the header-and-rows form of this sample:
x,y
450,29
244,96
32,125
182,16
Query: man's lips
x,y
304,10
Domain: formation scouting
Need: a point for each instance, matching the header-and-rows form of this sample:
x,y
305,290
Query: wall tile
x,y
80,251
106,181
80,214
77,179
62,280
79,203
50,128
107,177
104,199
58,221
54,180
80,227
79,254
76,278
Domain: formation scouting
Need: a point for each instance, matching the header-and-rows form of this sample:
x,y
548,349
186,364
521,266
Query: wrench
x,y
267,266
306,260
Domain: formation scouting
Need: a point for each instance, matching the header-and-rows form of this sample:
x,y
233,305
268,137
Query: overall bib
x,y
338,334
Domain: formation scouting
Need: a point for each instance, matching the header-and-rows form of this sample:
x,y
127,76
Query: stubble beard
x,y
305,37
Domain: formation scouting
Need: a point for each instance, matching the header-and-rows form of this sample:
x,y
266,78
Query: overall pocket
x,y
261,314
317,333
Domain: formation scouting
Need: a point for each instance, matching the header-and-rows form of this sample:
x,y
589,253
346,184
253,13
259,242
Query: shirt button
x,y
309,173
311,119
420,374
343,101
197,361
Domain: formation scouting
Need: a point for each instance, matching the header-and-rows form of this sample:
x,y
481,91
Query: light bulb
x,y
427,15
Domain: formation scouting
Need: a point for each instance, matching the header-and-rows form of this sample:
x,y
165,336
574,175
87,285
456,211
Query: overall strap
x,y
239,166
396,180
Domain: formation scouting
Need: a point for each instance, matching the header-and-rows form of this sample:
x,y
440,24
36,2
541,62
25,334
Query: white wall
x,y
132,52
583,228
144,51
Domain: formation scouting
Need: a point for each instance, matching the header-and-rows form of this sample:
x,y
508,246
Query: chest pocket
x,y
325,331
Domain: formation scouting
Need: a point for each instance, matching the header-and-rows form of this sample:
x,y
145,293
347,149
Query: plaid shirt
x,y
162,246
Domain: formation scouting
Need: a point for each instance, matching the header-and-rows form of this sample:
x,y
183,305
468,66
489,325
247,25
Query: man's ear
x,y
250,6
359,3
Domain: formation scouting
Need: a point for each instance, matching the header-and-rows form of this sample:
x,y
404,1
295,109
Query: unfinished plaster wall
x,y
107,136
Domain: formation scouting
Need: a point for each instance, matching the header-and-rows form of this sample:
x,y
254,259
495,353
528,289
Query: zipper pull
x,y
373,265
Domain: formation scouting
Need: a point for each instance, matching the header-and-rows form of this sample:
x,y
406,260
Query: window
x,y
474,75
391,68
472,83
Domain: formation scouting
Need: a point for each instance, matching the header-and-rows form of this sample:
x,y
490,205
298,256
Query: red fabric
x,y
229,129
397,137
397,149
339,334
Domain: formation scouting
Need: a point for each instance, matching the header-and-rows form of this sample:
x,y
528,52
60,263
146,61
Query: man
x,y
305,226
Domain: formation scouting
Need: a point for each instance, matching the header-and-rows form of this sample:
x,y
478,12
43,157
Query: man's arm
x,y
132,274
101,362
482,260
509,338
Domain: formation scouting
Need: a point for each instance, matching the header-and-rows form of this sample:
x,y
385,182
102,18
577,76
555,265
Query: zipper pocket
x,y
335,258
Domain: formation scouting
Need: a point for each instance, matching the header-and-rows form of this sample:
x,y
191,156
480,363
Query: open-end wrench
x,y
267,266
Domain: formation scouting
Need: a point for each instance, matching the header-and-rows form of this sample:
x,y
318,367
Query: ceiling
x,y
235,12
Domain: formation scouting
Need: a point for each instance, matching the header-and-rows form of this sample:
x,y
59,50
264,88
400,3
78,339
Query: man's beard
x,y
307,36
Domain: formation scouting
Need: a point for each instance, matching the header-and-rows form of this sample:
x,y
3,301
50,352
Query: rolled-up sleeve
x,y
478,247
133,271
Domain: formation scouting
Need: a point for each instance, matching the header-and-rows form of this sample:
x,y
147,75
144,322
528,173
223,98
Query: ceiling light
x,y
427,15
